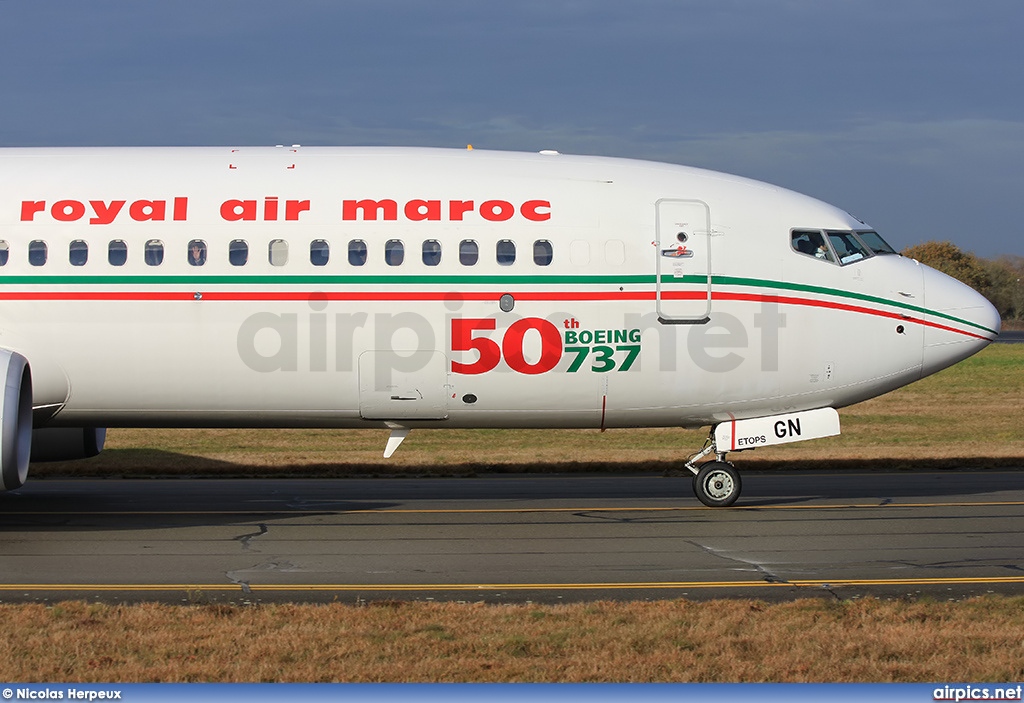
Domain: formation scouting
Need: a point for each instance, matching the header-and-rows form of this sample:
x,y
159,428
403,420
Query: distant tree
x,y
1006,286
948,258
1000,280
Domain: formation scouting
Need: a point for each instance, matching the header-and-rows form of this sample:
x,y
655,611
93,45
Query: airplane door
x,y
683,261
396,386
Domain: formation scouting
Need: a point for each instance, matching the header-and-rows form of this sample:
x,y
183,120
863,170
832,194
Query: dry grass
x,y
806,640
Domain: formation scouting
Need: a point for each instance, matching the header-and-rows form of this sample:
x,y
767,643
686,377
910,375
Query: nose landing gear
x,y
715,483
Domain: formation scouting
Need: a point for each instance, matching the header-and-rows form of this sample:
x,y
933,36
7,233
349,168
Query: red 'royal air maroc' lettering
x,y
370,208
104,212
419,210
235,210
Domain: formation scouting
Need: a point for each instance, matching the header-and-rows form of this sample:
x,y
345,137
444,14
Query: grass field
x,y
808,640
969,416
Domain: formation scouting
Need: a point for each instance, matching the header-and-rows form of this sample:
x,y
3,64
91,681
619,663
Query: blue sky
x,y
908,113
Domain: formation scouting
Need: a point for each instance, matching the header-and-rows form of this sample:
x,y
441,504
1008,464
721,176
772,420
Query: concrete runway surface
x,y
1011,337
538,538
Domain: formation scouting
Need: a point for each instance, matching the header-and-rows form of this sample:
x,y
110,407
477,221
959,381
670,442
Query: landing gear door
x,y
683,261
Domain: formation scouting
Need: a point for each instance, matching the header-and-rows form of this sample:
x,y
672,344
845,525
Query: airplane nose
x,y
959,321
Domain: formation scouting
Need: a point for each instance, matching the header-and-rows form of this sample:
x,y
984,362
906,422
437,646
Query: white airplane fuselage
x,y
603,293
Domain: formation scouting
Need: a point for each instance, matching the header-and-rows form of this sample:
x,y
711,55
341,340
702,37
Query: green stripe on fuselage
x,y
503,280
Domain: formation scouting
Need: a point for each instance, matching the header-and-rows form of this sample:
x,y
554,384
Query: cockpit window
x,y
812,243
848,247
875,243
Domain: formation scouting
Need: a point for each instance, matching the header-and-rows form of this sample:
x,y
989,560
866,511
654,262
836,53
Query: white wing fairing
x,y
403,288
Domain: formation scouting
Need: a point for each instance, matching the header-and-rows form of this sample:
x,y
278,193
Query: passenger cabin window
x,y
37,252
431,252
357,252
319,252
238,252
78,253
154,254
506,252
469,252
848,247
542,252
196,252
117,252
278,252
5,252
394,252
812,243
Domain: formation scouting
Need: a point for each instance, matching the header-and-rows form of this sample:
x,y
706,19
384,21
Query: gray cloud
x,y
906,112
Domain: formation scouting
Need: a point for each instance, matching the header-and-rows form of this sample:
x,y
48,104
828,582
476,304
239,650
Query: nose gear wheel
x,y
717,484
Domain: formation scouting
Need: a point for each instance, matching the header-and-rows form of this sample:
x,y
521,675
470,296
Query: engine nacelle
x,y
67,443
15,420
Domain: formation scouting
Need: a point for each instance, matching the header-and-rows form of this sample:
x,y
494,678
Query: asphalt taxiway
x,y
541,538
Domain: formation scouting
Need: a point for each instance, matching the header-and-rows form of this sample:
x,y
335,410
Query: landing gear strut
x,y
716,483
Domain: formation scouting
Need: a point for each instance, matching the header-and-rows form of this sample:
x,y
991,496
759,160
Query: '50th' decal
x,y
608,350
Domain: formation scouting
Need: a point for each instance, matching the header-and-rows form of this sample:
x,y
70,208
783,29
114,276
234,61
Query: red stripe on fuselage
x,y
428,296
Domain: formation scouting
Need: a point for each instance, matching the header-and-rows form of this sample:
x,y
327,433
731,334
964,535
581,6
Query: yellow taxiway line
x,y
477,511
480,587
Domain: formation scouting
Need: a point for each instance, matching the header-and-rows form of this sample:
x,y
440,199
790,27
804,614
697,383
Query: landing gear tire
x,y
717,484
